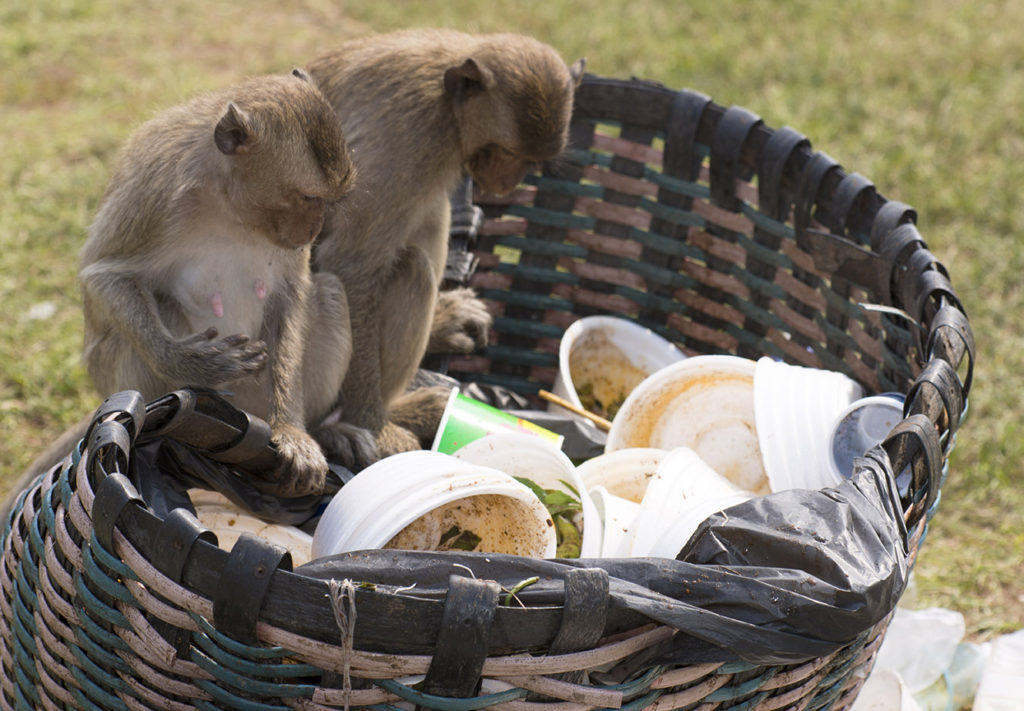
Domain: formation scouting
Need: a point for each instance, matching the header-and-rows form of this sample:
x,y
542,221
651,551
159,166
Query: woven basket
x,y
697,221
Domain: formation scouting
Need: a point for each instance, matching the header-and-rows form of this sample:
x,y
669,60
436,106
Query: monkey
x,y
418,109
196,268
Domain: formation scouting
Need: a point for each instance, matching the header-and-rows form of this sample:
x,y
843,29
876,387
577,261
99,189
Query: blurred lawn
x,y
924,98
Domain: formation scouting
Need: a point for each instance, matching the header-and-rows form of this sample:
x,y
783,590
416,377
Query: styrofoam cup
x,y
617,516
705,403
522,455
682,479
795,409
411,499
858,428
675,537
624,472
612,355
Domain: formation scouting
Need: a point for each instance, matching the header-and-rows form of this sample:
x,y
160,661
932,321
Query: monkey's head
x,y
512,100
286,155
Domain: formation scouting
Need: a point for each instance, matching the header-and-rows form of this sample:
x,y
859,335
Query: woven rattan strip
x,y
655,213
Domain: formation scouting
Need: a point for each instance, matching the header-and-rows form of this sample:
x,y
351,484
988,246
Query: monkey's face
x,y
497,170
296,224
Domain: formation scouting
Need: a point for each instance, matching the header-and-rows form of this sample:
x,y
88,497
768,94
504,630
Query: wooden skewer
x,y
562,402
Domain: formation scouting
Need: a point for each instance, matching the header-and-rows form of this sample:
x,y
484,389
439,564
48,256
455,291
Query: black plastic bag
x,y
775,580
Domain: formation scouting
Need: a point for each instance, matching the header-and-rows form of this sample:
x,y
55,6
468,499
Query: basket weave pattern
x,y
698,221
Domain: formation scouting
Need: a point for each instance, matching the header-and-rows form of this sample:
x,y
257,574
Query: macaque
x,y
197,271
418,108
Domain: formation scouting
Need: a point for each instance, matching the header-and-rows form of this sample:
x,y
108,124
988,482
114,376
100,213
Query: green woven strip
x,y
86,676
248,685
106,638
552,218
24,627
113,564
25,659
232,701
758,285
768,224
541,274
764,254
522,298
565,187
673,214
642,702
533,329
581,156
541,246
102,657
99,578
234,646
520,356
677,185
640,684
25,589
246,666
660,275
23,687
667,245
96,606
732,692
444,703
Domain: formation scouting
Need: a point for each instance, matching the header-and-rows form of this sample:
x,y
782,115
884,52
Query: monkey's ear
x,y
467,79
577,69
233,132
301,74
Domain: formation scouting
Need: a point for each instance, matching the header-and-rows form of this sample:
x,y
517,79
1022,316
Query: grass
x,y
923,98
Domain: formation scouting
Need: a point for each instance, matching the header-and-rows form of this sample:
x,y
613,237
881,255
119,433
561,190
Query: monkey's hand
x,y
204,359
302,467
351,446
461,322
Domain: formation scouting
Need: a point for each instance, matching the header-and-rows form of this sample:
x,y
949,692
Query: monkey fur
x,y
418,108
196,270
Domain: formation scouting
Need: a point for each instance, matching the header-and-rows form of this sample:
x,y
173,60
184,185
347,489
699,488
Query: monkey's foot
x,y
353,447
394,439
302,467
461,322
420,411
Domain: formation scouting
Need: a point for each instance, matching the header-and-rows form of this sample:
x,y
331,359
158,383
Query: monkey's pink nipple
x,y
217,305
261,289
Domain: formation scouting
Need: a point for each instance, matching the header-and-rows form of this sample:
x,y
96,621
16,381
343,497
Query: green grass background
x,y
923,97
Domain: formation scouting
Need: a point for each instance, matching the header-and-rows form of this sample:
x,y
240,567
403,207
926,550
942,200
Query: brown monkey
x,y
418,108
202,245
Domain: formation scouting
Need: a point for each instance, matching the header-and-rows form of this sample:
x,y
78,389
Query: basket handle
x,y
914,443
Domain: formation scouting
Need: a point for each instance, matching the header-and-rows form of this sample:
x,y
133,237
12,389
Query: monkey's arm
x,y
302,468
115,297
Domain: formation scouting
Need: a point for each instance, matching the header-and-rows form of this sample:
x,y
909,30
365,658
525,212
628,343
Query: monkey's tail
x,y
50,457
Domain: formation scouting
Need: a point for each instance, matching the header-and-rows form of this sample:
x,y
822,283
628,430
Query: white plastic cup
x,y
430,488
795,409
611,354
705,403
537,459
624,472
683,481
617,517
858,428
